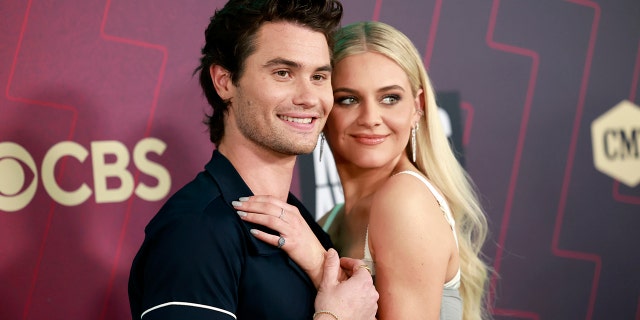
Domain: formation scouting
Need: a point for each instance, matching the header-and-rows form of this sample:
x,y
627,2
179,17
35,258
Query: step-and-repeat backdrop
x,y
101,120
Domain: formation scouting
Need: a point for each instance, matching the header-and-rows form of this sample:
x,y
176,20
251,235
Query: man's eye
x,y
319,77
282,73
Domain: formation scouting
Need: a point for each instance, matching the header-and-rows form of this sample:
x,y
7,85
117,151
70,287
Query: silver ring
x,y
281,242
281,213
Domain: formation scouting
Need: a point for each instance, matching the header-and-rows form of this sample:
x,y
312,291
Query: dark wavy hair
x,y
231,34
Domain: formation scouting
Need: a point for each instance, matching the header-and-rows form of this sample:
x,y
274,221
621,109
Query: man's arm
x,y
189,258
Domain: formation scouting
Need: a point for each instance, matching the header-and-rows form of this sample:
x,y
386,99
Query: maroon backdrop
x,y
100,120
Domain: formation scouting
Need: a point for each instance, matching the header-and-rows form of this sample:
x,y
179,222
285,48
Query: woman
x,y
409,208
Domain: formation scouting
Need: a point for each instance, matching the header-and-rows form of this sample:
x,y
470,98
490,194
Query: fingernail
x,y
254,231
236,203
242,213
244,199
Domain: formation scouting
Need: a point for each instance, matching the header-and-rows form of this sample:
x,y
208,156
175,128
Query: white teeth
x,y
296,120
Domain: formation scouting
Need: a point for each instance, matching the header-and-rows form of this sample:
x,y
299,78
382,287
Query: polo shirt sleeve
x,y
193,266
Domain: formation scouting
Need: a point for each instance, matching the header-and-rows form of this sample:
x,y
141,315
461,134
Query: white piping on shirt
x,y
189,304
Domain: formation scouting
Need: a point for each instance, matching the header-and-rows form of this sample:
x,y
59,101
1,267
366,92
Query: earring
x,y
321,146
413,142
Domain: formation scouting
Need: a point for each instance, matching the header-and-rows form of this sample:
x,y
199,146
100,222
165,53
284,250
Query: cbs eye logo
x,y
17,190
13,194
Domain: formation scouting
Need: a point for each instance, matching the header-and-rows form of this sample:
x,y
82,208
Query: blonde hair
x,y
434,157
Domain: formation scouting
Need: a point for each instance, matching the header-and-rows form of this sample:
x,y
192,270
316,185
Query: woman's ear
x,y
419,106
222,83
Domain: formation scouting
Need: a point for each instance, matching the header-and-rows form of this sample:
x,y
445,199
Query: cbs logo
x,y
14,160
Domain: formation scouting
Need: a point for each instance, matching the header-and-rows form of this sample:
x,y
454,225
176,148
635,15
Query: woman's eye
x,y
346,100
391,99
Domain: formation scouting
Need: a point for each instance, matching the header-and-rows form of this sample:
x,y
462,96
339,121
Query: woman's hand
x,y
296,237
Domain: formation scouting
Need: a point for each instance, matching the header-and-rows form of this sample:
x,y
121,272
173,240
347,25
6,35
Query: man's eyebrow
x,y
281,61
325,68
294,65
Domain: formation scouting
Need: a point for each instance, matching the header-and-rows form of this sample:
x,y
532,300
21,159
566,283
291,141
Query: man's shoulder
x,y
199,200
196,194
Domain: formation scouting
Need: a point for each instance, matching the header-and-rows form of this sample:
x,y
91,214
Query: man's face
x,y
284,95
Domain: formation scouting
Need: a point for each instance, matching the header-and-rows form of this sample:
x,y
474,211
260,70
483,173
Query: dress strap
x,y
368,259
332,216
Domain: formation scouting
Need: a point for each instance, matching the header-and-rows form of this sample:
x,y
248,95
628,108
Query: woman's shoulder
x,y
406,186
405,212
405,195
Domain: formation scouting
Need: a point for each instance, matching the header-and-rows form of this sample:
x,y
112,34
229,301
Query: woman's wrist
x,y
317,271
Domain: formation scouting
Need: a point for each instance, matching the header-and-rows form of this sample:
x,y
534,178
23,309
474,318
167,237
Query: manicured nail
x,y
236,203
242,213
244,199
254,231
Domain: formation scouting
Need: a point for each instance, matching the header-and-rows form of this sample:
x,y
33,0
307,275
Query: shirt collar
x,y
230,183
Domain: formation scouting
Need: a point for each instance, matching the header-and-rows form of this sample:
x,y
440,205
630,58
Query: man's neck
x,y
265,172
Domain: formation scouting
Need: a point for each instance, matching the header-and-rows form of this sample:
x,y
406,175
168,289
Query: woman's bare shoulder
x,y
404,199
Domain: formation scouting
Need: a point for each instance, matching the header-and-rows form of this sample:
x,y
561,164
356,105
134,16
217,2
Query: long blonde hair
x,y
434,157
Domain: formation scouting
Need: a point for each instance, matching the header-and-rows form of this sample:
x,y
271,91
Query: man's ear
x,y
222,83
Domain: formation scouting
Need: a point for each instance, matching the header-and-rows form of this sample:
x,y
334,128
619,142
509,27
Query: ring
x,y
281,242
365,267
281,213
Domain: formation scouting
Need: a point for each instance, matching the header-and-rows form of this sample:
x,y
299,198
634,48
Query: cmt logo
x,y
14,195
620,144
615,136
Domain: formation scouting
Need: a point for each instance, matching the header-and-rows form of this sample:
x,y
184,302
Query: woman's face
x,y
373,111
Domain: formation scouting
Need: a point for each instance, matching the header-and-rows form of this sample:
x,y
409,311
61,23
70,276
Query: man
x,y
266,71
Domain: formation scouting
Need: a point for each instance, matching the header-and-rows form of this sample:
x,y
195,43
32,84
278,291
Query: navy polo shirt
x,y
199,261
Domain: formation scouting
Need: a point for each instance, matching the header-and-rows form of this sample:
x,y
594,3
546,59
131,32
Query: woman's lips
x,y
370,139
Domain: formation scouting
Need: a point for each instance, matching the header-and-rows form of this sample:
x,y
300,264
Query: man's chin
x,y
298,150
